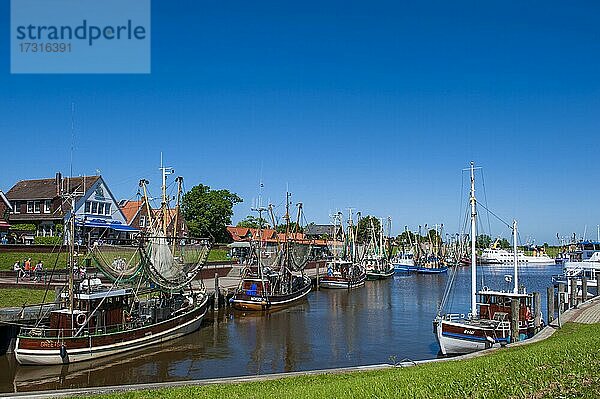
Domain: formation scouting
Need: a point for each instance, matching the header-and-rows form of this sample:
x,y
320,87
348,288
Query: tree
x,y
208,212
504,244
364,231
252,222
483,241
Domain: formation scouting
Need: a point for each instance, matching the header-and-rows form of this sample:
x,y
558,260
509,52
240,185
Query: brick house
x,y
136,215
40,203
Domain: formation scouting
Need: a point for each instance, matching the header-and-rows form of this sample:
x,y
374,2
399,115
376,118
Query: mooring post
x,y
514,320
318,263
583,289
573,282
216,291
537,313
561,301
561,290
550,294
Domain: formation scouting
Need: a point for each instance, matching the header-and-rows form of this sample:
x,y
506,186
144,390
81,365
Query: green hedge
x,y
23,227
48,240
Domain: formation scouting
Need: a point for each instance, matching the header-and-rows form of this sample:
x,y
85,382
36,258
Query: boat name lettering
x,y
470,332
49,344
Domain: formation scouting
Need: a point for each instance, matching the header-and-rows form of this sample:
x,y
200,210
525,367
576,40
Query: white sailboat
x,y
488,323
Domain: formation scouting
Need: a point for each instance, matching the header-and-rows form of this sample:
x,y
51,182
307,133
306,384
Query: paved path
x,y
589,314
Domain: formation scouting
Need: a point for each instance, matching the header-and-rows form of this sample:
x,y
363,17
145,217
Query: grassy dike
x,y
7,259
16,297
565,365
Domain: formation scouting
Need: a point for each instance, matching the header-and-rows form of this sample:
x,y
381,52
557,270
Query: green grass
x,y
217,254
8,259
564,366
15,297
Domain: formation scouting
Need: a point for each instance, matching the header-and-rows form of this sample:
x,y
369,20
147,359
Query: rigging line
x,y
496,216
486,202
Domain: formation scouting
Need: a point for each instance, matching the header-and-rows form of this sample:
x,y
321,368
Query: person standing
x,y
17,268
39,267
28,268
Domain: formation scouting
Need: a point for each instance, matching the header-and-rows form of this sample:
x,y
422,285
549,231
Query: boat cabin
x,y
495,305
255,287
99,311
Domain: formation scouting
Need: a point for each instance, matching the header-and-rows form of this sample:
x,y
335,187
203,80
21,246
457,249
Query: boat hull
x,y
432,270
334,282
47,350
379,275
245,302
457,338
404,268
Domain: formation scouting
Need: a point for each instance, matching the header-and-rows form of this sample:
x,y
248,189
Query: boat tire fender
x,y
81,319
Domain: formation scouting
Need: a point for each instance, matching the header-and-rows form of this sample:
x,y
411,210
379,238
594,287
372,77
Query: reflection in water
x,y
382,321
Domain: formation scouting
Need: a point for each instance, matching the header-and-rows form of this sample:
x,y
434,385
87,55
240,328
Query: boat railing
x,y
42,332
454,316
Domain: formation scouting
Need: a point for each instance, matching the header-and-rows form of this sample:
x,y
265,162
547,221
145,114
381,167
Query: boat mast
x,y
165,171
473,251
71,257
515,257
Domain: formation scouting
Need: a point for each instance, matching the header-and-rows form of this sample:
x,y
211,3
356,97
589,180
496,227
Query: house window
x,y
16,206
107,209
29,206
88,206
37,207
100,208
47,205
142,221
94,207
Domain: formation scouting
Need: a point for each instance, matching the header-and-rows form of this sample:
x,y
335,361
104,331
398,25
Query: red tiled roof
x,y
269,235
130,209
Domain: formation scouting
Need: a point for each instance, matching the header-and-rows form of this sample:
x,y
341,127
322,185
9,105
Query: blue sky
x,y
371,105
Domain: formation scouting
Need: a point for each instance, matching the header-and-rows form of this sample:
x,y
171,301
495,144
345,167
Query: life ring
x,y
81,319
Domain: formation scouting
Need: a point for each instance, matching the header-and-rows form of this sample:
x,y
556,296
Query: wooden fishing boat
x,y
258,294
91,331
376,260
96,320
345,270
278,281
343,274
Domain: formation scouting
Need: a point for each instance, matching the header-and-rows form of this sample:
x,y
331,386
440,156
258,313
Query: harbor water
x,y
383,322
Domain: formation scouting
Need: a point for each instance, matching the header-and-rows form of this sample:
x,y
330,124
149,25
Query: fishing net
x,y
172,263
299,256
118,262
270,256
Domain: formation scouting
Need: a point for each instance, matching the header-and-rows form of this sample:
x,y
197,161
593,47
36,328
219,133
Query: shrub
x,y
48,240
